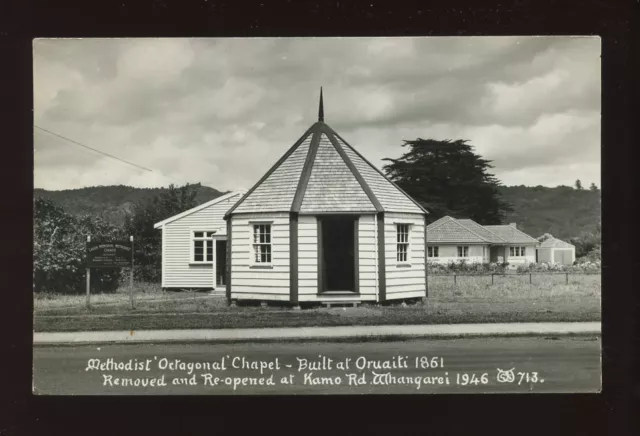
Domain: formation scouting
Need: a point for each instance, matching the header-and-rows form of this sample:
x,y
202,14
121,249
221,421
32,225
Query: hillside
x,y
112,203
562,211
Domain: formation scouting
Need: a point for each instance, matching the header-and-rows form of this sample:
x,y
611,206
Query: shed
x,y
325,225
194,245
554,250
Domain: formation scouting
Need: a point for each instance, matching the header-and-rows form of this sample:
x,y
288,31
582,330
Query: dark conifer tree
x,y
448,178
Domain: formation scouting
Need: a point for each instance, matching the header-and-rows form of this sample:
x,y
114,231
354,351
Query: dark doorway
x,y
338,254
221,261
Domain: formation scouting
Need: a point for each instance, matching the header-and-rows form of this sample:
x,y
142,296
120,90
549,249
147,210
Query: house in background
x,y
325,225
554,250
194,245
453,240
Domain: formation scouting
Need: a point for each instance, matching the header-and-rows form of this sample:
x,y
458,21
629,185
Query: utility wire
x,y
107,154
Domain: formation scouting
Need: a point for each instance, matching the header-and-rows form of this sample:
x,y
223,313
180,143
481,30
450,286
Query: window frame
x,y
406,244
207,239
518,251
464,249
433,251
254,261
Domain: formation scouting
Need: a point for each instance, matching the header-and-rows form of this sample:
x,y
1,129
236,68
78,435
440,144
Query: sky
x,y
222,111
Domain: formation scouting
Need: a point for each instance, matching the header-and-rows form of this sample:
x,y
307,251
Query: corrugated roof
x,y
322,173
555,243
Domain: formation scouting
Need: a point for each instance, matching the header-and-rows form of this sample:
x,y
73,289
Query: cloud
x,y
222,111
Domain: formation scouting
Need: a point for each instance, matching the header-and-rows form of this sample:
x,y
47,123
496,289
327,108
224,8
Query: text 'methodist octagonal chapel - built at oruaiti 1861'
x,y
325,225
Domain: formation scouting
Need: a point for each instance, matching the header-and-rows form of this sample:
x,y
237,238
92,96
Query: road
x,y
553,365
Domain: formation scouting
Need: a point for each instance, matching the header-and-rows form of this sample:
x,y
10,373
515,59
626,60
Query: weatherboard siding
x,y
448,253
405,279
256,281
307,258
530,255
178,271
367,257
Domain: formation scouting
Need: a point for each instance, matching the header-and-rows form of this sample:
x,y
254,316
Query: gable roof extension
x,y
452,230
200,207
512,235
448,229
555,243
487,234
322,173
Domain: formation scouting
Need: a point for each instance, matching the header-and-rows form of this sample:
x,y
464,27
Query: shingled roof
x,y
323,173
511,234
448,229
555,243
452,230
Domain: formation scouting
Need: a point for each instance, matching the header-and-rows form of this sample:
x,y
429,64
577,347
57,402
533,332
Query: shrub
x,y
59,250
466,268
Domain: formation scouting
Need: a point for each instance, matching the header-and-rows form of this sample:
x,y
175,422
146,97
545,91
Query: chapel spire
x,y
321,108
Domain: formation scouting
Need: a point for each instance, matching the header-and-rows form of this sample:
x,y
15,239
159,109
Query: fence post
x,y
88,274
492,278
566,278
455,282
529,278
131,278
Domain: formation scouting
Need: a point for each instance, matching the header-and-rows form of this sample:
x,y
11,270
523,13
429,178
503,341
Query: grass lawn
x,y
469,300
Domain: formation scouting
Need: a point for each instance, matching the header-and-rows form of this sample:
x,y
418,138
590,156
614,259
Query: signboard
x,y
108,254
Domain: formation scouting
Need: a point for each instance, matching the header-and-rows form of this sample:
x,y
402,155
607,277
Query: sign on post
x,y
109,254
115,254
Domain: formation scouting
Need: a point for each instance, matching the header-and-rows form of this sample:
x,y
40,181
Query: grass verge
x,y
470,300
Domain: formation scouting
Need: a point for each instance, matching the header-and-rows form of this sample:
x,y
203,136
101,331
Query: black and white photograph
x,y
317,215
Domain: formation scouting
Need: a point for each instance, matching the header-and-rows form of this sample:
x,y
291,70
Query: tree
x,y
593,187
544,237
147,240
448,178
578,185
59,250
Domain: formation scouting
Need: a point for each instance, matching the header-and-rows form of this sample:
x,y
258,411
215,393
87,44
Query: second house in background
x,y
452,240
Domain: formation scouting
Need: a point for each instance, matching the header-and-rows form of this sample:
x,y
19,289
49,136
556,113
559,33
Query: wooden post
x,y
88,274
455,282
492,279
529,278
566,278
131,278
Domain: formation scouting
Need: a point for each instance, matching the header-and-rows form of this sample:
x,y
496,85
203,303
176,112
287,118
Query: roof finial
x,y
321,108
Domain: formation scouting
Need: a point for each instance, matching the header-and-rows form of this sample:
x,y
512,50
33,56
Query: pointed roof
x,y
452,230
555,243
448,229
482,231
322,173
216,200
511,234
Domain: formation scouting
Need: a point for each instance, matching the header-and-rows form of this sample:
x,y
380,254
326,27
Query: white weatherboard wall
x,y
404,281
545,255
178,271
530,255
308,260
257,281
368,257
448,253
